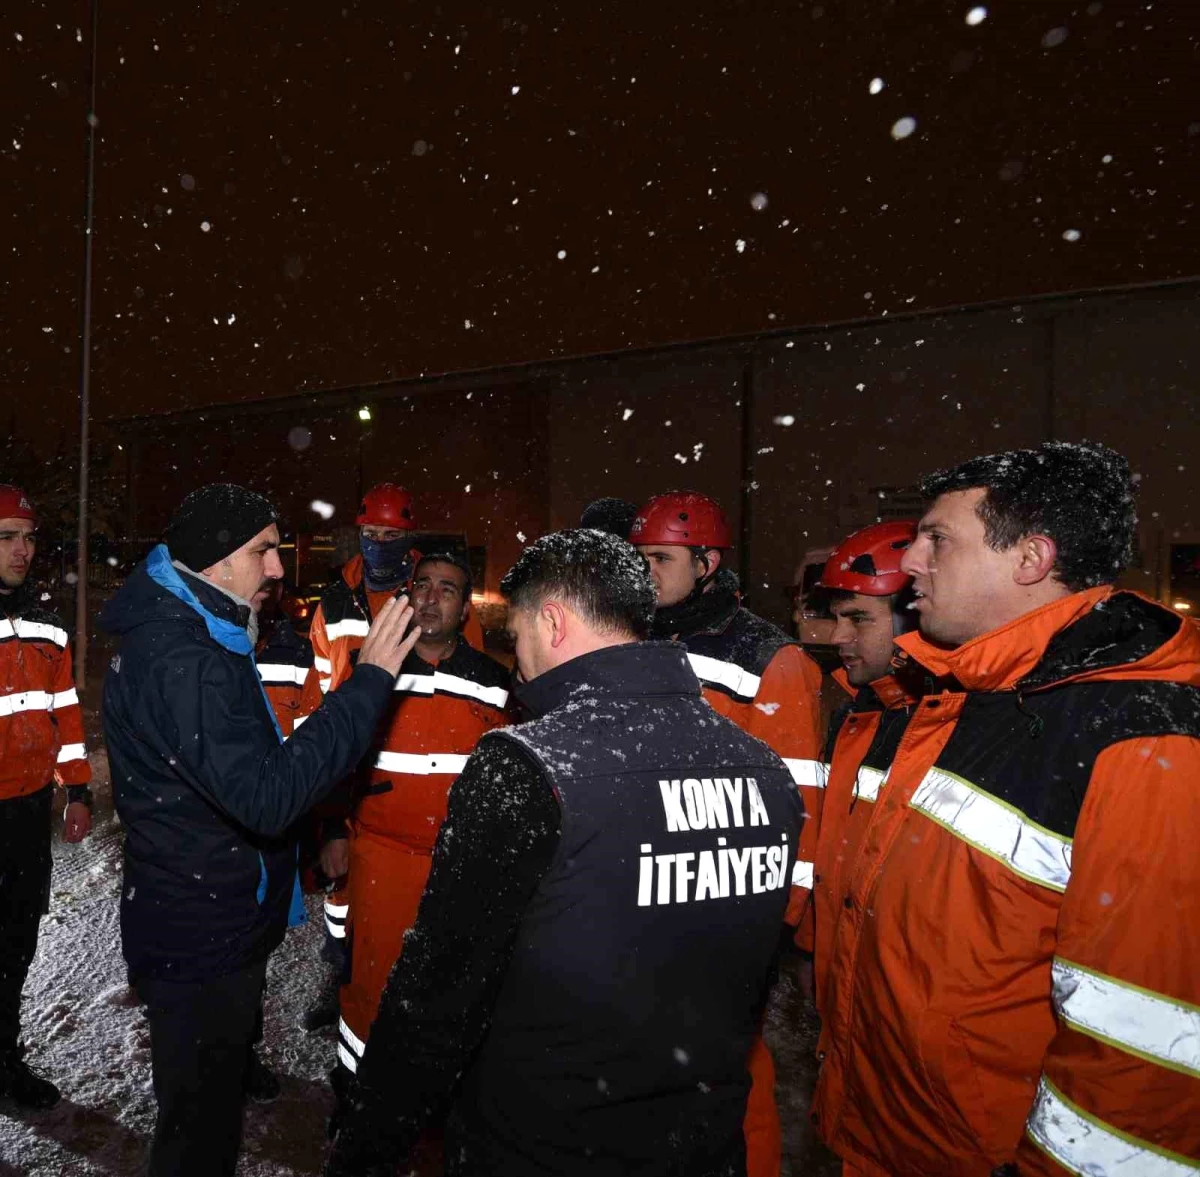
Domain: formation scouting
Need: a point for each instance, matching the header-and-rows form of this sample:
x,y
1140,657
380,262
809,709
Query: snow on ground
x,y
85,1034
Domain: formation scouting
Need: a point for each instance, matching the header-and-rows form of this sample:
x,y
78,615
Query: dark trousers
x,y
24,895
200,1038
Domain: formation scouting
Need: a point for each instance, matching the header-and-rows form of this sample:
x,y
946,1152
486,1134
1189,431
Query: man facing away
x,y
593,948
206,790
41,744
1012,986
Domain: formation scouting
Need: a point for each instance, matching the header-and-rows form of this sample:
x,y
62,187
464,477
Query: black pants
x,y
200,1038
24,895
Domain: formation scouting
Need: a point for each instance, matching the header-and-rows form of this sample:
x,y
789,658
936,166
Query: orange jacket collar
x,y
997,660
888,690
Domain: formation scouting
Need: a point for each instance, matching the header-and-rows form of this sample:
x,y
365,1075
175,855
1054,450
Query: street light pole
x,y
85,369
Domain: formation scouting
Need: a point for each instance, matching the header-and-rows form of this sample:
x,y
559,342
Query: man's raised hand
x,y
390,638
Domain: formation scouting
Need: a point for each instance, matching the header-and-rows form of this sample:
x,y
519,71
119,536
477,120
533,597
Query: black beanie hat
x,y
214,521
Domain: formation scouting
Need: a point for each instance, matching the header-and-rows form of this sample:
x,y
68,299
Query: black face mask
x,y
386,563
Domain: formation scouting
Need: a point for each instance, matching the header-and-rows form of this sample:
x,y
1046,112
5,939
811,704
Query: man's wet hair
x,y
599,575
1080,494
452,558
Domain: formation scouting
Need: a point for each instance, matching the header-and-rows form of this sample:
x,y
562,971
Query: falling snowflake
x,y
758,201
739,245
876,86
562,253
902,128
205,226
516,89
626,415
520,537
467,324
977,15
322,508
785,419
1054,37
1071,234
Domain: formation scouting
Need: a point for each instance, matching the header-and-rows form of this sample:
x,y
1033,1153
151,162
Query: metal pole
x,y
748,468
85,369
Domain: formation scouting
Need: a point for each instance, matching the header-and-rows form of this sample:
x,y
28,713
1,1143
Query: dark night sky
x,y
377,175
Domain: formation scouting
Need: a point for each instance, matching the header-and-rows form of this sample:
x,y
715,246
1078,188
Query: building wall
x,y
836,416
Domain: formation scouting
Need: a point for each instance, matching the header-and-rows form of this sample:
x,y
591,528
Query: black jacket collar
x,y
633,669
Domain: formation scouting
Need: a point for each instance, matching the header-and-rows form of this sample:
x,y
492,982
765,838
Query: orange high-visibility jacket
x,y
41,727
285,662
1014,975
862,742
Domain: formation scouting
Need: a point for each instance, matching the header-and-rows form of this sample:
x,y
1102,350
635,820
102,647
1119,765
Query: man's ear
x,y
555,616
713,556
1036,557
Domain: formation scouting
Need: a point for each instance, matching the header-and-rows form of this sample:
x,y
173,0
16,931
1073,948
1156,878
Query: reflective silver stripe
x,y
337,931
26,701
32,631
995,828
802,874
324,684
347,1059
275,673
421,764
65,699
71,752
813,774
1087,1146
351,1039
450,684
1128,1017
351,627
726,674
337,910
868,783
297,722
323,665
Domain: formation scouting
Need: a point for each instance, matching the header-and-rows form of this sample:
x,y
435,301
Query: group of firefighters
x,y
993,886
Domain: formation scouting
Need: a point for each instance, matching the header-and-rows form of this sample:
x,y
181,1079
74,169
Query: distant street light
x,y
364,414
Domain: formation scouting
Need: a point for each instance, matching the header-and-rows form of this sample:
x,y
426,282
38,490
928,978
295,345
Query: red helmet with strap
x,y
683,519
387,505
15,504
869,561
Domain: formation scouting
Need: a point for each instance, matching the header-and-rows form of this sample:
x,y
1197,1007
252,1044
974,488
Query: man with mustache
x,y
207,792
446,696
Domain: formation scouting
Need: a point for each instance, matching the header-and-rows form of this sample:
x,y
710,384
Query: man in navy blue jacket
x,y
206,790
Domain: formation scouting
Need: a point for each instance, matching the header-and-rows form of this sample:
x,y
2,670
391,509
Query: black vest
x,y
619,1039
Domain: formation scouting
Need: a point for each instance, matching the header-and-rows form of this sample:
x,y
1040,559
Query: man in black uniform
x,y
594,946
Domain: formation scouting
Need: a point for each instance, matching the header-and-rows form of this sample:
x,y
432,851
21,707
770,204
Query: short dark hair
x,y
1080,494
451,558
615,516
601,576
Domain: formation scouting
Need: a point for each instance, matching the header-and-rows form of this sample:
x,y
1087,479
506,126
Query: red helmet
x,y
869,561
387,505
684,519
15,504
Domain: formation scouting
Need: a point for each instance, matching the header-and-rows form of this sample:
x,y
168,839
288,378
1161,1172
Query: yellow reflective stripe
x,y
995,828
1147,1024
1086,1146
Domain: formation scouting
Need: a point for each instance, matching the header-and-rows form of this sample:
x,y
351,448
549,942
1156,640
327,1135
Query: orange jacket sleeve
x,y
786,715
1120,1084
72,766
322,653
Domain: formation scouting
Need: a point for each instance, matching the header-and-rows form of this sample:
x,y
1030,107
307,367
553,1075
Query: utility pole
x,y
85,368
